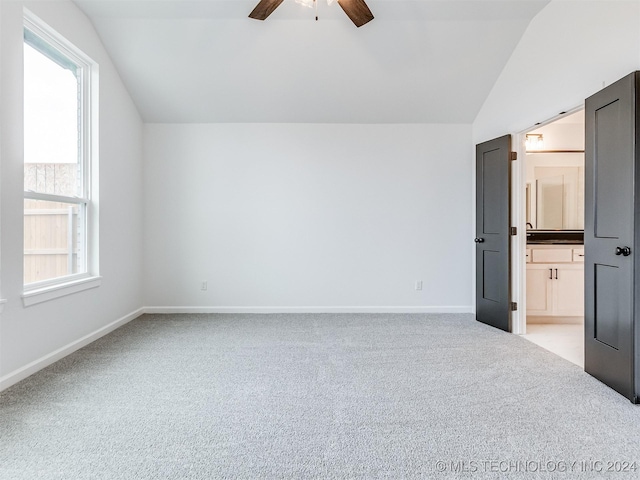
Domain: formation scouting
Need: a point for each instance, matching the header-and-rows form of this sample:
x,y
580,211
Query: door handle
x,y
624,251
478,240
556,273
551,274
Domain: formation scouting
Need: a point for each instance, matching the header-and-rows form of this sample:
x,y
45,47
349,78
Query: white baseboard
x,y
437,309
31,368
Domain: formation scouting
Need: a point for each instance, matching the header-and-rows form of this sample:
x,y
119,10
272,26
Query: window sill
x,y
44,294
2,302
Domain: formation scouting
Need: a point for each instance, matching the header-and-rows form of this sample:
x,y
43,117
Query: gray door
x,y
610,248
493,173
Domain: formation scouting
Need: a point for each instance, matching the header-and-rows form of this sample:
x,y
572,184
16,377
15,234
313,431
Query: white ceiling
x,y
422,61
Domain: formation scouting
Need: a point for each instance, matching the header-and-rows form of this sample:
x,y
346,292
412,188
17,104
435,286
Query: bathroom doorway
x,y
552,180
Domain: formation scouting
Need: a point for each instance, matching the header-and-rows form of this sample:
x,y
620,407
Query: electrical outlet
x,y
418,285
203,285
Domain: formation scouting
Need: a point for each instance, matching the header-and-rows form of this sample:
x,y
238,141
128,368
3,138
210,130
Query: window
x,y
59,211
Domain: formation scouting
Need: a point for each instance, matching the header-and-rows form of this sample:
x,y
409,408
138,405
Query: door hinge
x,y
513,155
514,306
513,230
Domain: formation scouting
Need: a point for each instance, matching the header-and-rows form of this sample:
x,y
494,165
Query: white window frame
x,y
38,292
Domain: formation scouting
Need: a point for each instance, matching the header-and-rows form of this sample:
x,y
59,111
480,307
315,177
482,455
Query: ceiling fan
x,y
356,10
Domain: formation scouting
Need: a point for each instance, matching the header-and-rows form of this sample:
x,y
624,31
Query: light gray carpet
x,y
314,396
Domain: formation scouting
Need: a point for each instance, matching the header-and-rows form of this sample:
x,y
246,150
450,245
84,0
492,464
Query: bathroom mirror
x,y
555,191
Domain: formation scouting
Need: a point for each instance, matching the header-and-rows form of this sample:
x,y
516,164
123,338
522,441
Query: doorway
x,y
550,182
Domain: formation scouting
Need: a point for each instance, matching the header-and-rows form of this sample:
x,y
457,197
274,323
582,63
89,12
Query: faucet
x,y
529,225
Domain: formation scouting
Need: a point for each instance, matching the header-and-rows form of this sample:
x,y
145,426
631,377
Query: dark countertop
x,y
555,237
555,242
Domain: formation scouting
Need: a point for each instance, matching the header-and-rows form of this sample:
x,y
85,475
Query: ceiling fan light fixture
x,y
311,3
305,3
357,10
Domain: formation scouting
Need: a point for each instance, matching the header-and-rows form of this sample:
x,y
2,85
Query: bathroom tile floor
x,y
565,340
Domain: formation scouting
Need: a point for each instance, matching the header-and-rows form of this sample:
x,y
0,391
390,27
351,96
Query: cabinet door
x,y
539,294
568,290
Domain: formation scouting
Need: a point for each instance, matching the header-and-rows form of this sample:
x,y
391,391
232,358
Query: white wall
x,y
2,300
562,136
569,50
304,216
31,334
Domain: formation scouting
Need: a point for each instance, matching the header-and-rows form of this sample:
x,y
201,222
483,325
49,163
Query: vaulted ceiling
x,y
420,61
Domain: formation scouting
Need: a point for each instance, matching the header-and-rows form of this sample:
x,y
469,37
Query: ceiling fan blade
x,y
264,9
357,11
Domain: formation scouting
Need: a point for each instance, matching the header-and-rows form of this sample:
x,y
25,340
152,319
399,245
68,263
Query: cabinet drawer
x,y
551,255
578,254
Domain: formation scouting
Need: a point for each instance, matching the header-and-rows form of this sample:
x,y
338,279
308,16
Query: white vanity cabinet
x,y
555,280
